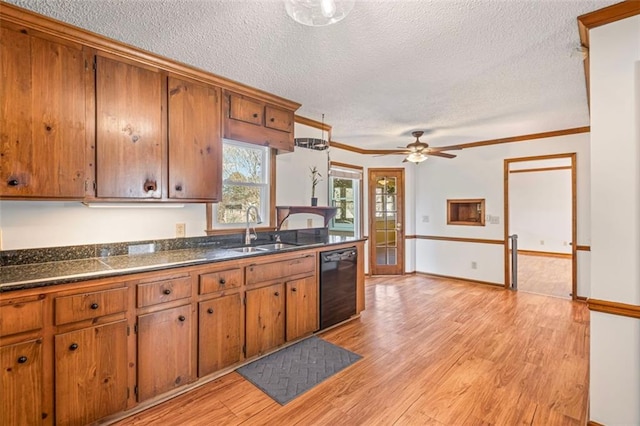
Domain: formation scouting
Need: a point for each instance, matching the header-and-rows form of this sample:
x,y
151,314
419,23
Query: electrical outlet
x,y
541,242
474,265
565,243
181,230
309,223
425,219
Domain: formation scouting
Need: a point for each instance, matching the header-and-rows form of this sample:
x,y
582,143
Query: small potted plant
x,y
315,178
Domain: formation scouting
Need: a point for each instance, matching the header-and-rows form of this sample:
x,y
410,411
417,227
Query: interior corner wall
x,y
479,173
614,57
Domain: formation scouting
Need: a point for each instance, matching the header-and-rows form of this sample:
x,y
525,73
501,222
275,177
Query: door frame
x,y
574,220
371,218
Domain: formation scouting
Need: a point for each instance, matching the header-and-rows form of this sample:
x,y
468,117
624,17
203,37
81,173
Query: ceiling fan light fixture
x,y
416,157
318,13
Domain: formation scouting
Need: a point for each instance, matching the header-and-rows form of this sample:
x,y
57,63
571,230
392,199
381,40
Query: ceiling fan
x,y
419,151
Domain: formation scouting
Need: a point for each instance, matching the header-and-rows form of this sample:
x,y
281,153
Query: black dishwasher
x,y
337,286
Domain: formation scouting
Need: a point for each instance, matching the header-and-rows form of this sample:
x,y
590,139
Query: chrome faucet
x,y
248,236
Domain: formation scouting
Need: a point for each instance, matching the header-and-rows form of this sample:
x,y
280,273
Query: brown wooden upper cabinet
x,y
251,120
42,116
128,130
195,141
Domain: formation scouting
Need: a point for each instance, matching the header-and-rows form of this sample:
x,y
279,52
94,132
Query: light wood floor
x,y
544,275
436,352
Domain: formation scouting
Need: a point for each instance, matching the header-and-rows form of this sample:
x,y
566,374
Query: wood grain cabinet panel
x,y
156,292
279,119
19,317
264,319
254,121
21,384
91,373
42,117
246,109
302,307
128,130
90,305
195,141
166,351
222,280
276,270
219,333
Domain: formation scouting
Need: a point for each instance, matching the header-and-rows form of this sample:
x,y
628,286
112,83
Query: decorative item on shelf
x,y
318,13
315,178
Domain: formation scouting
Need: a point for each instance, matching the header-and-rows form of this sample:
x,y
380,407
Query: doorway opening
x,y
540,208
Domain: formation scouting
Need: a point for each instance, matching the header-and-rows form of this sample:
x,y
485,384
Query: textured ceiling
x,y
462,70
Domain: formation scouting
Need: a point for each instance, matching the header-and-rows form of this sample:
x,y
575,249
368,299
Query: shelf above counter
x,y
283,212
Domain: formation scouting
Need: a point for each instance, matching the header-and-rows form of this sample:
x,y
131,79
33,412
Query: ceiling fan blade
x,y
441,154
444,148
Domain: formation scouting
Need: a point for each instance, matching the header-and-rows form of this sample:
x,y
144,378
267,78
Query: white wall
x,y
32,224
615,211
479,173
540,209
293,180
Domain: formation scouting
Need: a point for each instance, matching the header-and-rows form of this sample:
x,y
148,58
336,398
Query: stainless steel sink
x,y
248,249
275,246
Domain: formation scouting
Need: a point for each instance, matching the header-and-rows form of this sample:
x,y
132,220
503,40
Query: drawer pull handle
x,y
150,185
222,281
181,318
178,187
167,292
294,289
277,293
210,310
22,359
13,182
255,115
272,119
94,306
73,347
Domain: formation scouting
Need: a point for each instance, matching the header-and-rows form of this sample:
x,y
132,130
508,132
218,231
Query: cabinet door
x,y
246,109
302,307
21,380
91,373
264,319
165,351
128,131
42,117
219,334
195,160
279,119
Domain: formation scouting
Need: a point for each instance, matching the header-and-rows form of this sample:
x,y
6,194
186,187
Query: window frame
x,y
355,173
268,206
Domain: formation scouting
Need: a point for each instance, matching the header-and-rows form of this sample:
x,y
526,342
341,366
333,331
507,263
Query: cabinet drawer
x,y
20,317
218,281
157,292
90,305
279,119
285,268
245,109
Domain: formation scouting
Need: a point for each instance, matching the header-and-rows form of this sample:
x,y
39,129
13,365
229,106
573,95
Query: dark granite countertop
x,y
31,275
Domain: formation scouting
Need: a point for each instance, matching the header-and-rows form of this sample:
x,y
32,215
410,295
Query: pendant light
x,y
318,13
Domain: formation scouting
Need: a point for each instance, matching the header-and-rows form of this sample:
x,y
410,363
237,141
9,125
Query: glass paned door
x,y
386,214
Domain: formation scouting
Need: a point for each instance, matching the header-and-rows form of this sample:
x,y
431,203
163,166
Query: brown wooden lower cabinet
x,y
91,373
165,351
264,323
219,333
21,381
302,307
